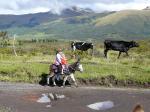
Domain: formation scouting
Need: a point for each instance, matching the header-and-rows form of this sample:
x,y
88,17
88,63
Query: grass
x,y
15,69
5,109
22,69
123,69
27,67
122,15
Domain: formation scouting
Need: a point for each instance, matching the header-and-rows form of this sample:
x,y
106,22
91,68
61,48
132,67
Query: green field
x,y
33,61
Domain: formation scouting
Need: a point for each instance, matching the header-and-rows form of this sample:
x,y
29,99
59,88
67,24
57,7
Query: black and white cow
x,y
121,46
83,46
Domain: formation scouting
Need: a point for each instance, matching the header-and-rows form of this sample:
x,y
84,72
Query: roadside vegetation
x,y
5,109
35,56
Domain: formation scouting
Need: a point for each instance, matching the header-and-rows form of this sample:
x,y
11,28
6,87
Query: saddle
x,y
57,70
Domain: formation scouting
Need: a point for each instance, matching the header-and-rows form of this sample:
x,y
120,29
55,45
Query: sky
x,y
56,6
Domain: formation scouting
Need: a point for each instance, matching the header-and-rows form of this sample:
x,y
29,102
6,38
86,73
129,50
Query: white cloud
x,y
119,6
34,6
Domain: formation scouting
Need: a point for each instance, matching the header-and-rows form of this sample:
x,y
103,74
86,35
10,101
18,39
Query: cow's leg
x,y
105,52
74,48
64,81
119,54
92,52
73,79
127,53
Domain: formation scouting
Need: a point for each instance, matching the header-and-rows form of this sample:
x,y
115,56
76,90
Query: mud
x,y
112,81
23,99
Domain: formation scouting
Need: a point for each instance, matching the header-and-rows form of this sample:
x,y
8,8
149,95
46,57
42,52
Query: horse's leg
x,y
52,75
53,80
48,77
64,81
73,78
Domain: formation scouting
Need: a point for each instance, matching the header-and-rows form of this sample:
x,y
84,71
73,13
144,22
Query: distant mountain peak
x,y
72,11
76,11
75,8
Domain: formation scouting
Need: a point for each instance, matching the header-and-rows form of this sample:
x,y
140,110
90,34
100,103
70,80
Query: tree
x,y
4,40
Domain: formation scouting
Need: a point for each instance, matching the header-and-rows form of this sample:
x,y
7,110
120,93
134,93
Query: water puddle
x,y
48,106
48,98
44,99
101,105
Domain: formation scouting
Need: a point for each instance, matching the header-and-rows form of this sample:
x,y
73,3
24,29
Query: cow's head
x,y
91,45
134,44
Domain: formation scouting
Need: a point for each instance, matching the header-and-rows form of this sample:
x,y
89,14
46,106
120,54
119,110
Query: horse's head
x,y
78,66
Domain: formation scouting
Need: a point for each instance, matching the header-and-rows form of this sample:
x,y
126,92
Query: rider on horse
x,y
60,66
60,61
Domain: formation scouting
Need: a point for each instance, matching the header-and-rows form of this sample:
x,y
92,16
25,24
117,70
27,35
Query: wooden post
x,y
14,45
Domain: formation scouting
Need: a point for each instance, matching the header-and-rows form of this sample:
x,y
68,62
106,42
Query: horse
x,y
77,66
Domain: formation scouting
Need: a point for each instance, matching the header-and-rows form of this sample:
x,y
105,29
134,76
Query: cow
x,y
121,46
82,46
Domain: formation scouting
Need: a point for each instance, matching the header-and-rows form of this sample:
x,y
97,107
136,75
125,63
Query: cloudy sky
x,y
34,6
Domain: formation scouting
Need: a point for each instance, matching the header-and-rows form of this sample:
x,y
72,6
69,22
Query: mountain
x,y
75,11
32,20
130,24
83,24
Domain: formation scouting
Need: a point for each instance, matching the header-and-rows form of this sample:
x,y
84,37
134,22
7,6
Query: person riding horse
x,y
72,68
60,61
60,67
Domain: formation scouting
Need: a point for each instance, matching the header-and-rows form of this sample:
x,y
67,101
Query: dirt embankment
x,y
112,81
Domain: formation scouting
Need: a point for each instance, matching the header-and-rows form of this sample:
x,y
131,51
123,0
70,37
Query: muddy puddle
x,y
48,98
105,105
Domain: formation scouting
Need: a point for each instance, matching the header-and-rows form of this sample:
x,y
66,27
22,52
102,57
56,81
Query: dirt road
x,y
23,98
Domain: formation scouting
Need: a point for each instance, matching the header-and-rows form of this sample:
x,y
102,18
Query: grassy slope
x,y
132,23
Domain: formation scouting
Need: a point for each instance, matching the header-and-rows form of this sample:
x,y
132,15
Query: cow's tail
x,y
105,42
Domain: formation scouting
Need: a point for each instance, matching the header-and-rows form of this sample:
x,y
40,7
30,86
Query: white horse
x,y
71,68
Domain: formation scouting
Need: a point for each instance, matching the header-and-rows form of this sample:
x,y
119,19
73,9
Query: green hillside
x,y
128,24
